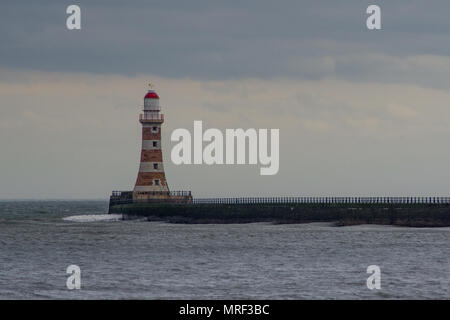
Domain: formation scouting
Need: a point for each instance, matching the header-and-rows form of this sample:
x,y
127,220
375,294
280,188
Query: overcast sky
x,y
360,112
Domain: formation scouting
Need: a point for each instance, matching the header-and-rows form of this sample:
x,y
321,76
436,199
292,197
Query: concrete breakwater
x,y
401,214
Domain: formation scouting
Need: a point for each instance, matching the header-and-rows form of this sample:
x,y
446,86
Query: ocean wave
x,y
94,218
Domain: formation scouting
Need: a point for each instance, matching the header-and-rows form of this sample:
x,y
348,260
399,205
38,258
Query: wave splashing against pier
x,y
94,218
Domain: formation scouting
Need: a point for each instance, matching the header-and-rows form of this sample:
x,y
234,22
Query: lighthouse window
x,y
155,129
155,144
155,166
156,182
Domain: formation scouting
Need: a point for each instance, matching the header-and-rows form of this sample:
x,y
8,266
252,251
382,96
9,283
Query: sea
x,y
139,259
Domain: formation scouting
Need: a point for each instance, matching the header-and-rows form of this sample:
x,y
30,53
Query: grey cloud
x,y
217,40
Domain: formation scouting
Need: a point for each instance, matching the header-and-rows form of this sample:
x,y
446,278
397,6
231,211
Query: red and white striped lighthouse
x,y
151,180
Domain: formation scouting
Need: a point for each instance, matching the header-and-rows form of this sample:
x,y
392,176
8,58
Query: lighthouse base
x,y
119,198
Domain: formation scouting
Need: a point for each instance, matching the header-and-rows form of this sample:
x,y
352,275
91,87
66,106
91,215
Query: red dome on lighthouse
x,y
151,95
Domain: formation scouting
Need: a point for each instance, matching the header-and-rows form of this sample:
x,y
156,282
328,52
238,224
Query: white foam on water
x,y
94,218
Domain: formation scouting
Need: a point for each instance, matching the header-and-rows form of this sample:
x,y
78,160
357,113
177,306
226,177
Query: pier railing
x,y
129,194
126,197
324,200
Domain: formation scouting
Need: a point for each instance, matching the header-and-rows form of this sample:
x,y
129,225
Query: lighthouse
x,y
151,181
151,184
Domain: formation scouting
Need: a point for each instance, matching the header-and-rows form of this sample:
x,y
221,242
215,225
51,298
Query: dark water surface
x,y
139,259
